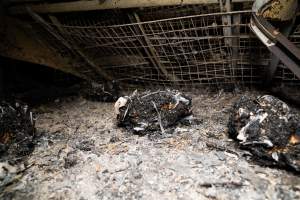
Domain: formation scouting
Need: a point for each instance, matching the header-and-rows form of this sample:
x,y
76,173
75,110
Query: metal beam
x,y
96,68
277,43
20,42
91,63
155,61
108,4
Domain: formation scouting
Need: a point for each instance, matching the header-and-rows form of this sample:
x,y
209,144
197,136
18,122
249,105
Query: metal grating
x,y
168,46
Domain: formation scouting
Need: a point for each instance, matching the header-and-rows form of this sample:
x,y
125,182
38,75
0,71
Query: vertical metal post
x,y
232,43
235,40
225,6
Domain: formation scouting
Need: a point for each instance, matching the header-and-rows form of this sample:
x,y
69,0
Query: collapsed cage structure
x,y
182,45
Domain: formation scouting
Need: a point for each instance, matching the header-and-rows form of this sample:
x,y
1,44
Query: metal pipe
x,y
108,4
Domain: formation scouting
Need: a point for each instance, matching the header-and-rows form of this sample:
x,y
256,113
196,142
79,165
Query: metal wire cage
x,y
185,46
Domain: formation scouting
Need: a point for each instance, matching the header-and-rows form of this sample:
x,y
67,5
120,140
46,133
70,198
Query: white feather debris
x,y
179,98
141,126
121,102
242,136
243,112
268,142
275,156
138,129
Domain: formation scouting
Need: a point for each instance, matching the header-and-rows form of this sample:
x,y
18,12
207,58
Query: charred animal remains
x,y
150,112
16,131
269,129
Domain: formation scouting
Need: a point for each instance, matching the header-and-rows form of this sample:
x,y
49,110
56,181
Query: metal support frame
x,y
280,11
152,52
97,68
277,43
229,31
235,40
270,73
74,6
40,20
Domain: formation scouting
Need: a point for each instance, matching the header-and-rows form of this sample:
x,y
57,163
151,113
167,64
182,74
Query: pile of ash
x,y
17,131
269,129
152,112
103,92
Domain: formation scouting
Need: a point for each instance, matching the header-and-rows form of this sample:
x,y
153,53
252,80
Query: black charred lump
x,y
269,129
151,112
16,131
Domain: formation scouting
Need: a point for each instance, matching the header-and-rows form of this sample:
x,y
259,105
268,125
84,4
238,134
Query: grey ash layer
x,y
82,154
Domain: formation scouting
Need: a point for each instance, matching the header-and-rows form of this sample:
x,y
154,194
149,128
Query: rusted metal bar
x,y
108,4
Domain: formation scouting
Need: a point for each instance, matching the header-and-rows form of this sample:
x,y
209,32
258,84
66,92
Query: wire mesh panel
x,y
168,46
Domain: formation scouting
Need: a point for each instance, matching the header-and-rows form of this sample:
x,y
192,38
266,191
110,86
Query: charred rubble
x,y
17,131
103,92
152,112
269,129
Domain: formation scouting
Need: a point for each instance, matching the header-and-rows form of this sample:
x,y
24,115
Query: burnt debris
x,y
269,129
17,131
103,92
152,112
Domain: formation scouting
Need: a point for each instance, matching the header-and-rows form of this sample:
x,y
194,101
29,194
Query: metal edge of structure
x,y
19,44
279,45
108,4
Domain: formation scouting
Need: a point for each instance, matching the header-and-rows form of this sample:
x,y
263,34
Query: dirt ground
x,y
81,154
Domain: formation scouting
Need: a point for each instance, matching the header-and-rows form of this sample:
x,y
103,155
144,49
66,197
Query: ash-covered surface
x,y
269,129
83,155
152,112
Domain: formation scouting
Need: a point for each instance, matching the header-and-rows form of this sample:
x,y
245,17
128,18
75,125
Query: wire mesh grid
x,y
54,44
168,46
